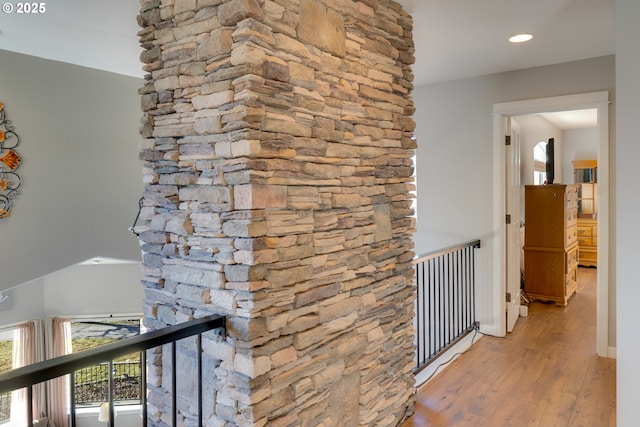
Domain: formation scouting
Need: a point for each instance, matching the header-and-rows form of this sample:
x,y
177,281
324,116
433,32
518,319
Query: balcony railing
x,y
92,383
28,376
445,305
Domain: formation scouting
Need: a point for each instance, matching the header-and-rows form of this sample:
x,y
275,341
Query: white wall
x,y
455,154
578,144
627,159
79,290
78,131
534,129
109,289
25,302
453,166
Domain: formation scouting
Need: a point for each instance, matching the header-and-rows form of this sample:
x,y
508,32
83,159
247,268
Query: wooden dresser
x,y
551,242
588,242
585,176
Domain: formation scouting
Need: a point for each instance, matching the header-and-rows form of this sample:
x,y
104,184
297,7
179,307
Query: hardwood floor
x,y
546,373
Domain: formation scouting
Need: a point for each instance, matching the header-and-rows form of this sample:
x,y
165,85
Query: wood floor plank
x,y
544,374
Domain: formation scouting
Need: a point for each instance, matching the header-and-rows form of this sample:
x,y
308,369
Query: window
x,y
92,383
539,163
21,346
6,362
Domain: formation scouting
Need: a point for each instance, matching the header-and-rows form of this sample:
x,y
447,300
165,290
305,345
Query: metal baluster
x,y
174,391
439,300
473,288
143,386
111,395
445,301
199,350
72,397
30,405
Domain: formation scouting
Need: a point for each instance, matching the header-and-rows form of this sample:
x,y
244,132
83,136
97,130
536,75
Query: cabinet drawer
x,y
585,231
571,282
572,216
571,235
572,259
595,230
589,256
585,241
571,196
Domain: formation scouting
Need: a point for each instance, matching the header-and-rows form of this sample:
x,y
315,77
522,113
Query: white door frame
x,y
600,101
513,249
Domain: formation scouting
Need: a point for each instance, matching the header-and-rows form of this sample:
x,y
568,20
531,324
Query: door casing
x,y
501,111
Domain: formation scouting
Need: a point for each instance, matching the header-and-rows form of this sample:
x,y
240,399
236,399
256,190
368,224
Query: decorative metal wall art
x,y
10,161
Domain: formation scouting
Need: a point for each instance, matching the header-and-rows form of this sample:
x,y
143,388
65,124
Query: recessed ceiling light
x,y
520,38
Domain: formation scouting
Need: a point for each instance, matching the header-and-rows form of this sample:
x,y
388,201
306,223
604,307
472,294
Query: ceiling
x,y
92,33
572,119
457,39
454,39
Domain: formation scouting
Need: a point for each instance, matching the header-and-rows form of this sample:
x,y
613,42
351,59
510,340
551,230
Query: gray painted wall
x,y
535,129
627,206
78,131
578,144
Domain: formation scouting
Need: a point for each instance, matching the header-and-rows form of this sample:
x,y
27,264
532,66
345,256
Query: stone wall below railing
x,y
277,148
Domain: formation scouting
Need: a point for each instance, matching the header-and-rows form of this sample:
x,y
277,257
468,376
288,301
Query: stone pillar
x,y
277,141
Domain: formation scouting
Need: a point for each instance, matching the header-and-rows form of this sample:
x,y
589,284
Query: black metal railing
x,y
92,383
28,376
445,304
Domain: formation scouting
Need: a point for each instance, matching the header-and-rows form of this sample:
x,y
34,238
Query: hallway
x,y
546,373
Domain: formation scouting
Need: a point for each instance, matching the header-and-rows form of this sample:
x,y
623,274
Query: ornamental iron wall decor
x,y
10,161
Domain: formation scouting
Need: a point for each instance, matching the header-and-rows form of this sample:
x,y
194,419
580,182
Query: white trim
x,y
492,329
443,361
103,317
499,226
556,103
600,101
611,352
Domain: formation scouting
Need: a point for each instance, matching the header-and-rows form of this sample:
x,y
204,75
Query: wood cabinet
x,y
588,242
551,242
585,174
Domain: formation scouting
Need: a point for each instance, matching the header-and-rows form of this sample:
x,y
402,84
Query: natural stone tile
x,y
251,367
283,278
212,100
256,257
283,357
322,27
191,275
276,141
232,12
254,196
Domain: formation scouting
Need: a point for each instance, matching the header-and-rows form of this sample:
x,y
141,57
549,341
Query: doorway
x,y
502,118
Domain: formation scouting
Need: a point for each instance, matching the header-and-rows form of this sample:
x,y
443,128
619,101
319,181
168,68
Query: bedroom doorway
x,y
503,112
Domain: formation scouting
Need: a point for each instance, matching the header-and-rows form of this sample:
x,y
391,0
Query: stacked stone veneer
x,y
277,141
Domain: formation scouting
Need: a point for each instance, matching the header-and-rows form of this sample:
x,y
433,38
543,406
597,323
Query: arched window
x,y
539,163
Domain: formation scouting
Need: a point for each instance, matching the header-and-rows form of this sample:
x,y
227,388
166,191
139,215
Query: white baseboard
x,y
611,352
442,362
492,329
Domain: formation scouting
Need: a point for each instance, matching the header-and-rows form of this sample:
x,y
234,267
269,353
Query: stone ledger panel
x,y
277,146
